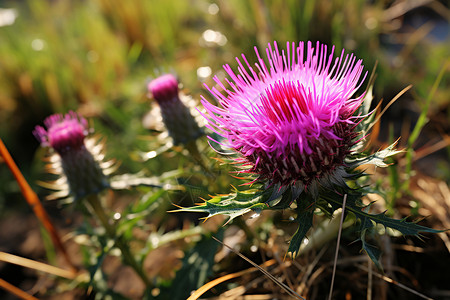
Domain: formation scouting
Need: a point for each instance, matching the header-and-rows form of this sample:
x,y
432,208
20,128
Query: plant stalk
x,y
120,243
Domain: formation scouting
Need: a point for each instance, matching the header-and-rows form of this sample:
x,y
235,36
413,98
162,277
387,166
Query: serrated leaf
x,y
286,198
368,220
373,252
305,222
305,213
403,226
231,205
376,159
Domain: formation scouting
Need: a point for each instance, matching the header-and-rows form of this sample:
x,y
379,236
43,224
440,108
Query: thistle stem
x,y
120,243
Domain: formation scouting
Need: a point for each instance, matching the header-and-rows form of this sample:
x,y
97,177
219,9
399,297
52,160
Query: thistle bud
x,y
78,161
180,124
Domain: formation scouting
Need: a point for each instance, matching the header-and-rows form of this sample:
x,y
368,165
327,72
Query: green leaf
x,y
367,220
376,159
373,252
305,213
231,205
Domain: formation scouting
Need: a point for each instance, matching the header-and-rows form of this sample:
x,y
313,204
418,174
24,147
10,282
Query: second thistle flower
x,y
79,161
180,124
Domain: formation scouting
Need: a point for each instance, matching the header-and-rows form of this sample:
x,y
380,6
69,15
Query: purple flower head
x,y
64,133
292,118
164,88
180,124
79,162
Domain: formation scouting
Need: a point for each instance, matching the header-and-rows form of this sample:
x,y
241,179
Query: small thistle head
x,y
177,118
292,119
164,88
77,160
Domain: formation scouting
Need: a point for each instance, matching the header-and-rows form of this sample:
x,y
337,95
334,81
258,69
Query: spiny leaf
x,y
231,205
283,198
376,159
367,220
373,252
305,213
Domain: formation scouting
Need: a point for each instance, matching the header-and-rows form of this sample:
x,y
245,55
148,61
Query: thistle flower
x,y
76,159
178,120
295,124
292,119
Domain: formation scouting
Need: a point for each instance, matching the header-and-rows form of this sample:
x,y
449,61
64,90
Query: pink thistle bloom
x,y
180,124
292,118
164,88
79,161
64,133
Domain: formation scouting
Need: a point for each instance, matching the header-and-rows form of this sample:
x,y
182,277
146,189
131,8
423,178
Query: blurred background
x,y
96,57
